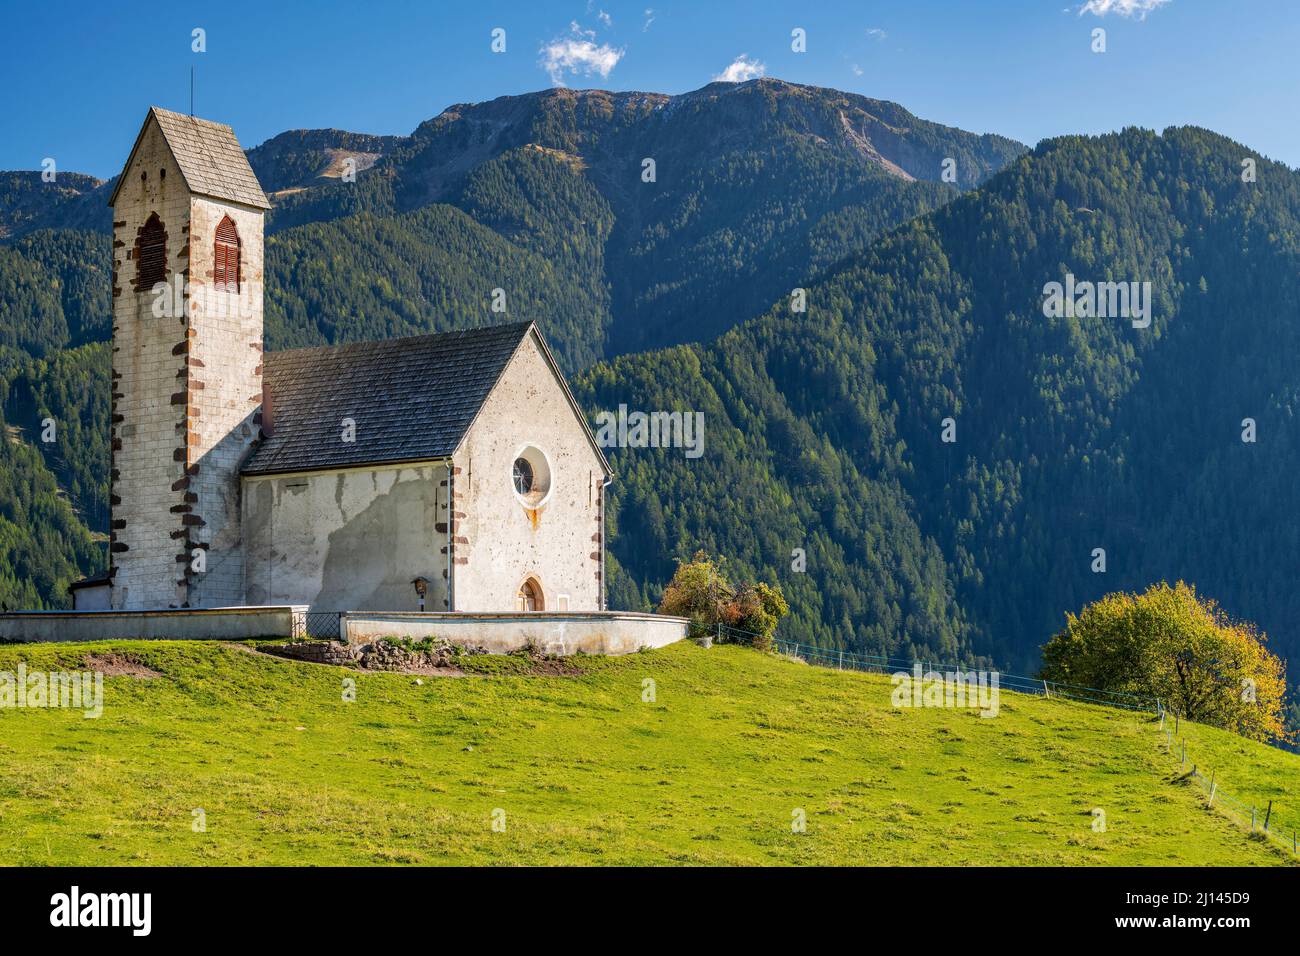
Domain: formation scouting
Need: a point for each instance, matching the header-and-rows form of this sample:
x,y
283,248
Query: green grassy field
x,y
1247,775
582,770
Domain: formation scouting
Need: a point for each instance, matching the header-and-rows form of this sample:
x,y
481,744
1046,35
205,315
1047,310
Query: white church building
x,y
427,477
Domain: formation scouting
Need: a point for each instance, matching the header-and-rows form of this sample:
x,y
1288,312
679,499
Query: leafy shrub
x,y
701,592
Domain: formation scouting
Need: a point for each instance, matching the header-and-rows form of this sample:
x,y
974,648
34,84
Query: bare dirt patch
x,y
428,659
379,656
431,671
552,667
119,665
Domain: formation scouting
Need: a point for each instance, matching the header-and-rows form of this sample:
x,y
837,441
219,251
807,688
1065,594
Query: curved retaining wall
x,y
597,632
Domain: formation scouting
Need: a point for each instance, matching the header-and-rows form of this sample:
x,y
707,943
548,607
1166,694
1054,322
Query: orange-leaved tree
x,y
700,591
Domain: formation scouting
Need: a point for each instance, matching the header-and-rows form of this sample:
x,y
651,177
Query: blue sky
x,y
86,73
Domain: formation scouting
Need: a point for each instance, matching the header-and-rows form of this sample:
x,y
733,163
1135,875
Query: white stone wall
x,y
188,624
347,539
186,387
147,428
608,632
224,395
498,541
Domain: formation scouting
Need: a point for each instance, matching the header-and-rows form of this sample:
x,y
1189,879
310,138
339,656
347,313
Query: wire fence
x,y
1266,821
844,660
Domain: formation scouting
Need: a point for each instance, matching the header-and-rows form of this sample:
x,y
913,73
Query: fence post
x,y
1268,815
1046,692
1175,721
1212,776
1183,758
1252,819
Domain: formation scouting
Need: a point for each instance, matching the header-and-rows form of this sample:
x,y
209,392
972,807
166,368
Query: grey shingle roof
x,y
210,159
412,399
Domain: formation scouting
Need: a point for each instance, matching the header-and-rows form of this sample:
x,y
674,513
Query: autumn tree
x,y
1170,643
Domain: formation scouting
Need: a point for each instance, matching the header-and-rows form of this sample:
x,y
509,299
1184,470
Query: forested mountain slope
x,y
755,186
752,188
1072,434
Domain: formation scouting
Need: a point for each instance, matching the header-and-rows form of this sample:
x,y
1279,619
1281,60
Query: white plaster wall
x,y
347,539
498,543
98,598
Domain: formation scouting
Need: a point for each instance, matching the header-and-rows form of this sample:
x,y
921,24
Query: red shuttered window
x,y
225,273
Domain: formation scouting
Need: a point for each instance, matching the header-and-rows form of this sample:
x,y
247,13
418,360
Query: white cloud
x,y
576,54
605,18
1125,8
649,19
742,68
877,34
857,70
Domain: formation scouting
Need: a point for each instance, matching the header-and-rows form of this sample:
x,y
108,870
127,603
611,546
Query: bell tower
x,y
187,362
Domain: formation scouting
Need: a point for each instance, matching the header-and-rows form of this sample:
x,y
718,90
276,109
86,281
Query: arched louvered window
x,y
151,254
225,271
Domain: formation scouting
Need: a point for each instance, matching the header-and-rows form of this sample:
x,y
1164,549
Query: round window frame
x,y
544,475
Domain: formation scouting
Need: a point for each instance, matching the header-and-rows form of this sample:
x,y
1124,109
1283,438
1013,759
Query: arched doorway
x,y
530,596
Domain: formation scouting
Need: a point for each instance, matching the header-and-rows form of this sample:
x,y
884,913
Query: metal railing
x,y
319,625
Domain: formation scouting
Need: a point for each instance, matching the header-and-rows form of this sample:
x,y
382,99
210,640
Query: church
x,y
451,472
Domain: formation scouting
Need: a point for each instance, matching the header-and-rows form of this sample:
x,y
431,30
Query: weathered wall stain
x,y
344,540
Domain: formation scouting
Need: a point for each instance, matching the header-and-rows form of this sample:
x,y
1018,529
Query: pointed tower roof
x,y
209,156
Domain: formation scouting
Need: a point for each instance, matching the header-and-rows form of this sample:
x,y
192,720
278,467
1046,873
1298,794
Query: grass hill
x,y
585,770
